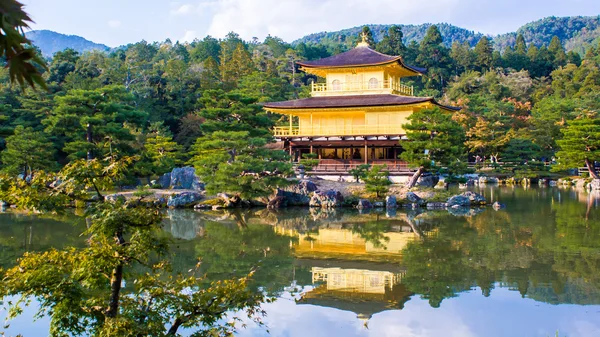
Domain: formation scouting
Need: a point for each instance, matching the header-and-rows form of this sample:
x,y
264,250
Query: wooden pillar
x,y
311,148
291,126
320,152
366,153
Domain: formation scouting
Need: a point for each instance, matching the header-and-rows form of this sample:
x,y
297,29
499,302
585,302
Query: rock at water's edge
x,y
185,199
326,199
390,202
364,204
185,178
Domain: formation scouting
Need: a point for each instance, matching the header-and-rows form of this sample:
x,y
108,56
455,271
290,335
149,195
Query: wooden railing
x,y
338,130
343,166
395,87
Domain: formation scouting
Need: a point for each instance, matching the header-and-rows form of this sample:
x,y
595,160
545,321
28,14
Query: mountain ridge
x,y
51,42
576,33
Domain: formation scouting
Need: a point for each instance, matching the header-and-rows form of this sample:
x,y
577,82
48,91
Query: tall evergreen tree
x,y
483,54
463,56
559,55
434,56
392,43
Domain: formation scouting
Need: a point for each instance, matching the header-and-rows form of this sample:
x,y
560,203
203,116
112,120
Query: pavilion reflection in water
x,y
350,272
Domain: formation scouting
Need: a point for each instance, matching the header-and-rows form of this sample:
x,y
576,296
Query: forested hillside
x,y
575,32
50,42
348,37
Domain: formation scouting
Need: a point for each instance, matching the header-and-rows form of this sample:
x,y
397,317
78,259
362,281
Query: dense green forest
x,y
157,100
576,32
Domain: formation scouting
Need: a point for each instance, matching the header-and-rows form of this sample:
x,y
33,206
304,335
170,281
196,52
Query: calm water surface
x,y
531,269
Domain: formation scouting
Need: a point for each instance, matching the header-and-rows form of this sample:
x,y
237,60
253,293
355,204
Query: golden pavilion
x,y
355,115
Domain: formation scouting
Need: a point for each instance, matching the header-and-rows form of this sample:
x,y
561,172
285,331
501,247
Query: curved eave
x,y
416,71
297,105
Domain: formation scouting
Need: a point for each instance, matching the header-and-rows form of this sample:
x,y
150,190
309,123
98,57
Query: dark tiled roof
x,y
359,56
352,101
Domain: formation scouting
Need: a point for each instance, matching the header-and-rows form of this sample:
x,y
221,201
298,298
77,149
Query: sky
x,y
119,22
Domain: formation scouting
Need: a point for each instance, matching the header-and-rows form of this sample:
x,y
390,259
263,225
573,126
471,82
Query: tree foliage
x,y
435,140
82,289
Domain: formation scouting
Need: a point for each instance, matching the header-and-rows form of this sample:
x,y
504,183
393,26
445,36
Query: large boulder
x,y
326,199
459,201
594,185
183,200
428,180
364,204
165,181
466,199
184,178
297,194
413,198
476,199
390,202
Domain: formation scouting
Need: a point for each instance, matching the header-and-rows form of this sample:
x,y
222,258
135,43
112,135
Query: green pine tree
x,y
483,54
28,151
391,43
434,141
377,180
237,163
90,123
580,144
434,56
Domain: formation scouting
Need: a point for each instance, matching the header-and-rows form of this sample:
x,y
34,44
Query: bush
x,y
309,160
360,172
377,180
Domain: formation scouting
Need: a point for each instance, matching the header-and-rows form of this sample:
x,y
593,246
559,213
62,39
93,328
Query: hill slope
x,y
50,42
575,32
449,32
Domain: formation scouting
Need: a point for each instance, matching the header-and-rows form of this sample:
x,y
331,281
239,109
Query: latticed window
x,y
336,85
373,83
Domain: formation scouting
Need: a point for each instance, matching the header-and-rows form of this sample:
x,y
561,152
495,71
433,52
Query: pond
x,y
529,269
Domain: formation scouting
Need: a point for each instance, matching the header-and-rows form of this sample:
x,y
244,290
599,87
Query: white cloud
x,y
290,19
184,9
114,23
189,36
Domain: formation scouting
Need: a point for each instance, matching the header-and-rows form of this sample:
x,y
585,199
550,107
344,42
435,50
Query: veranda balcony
x,y
338,130
370,87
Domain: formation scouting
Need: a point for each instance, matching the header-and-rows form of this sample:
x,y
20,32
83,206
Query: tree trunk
x,y
591,169
413,180
89,140
115,291
115,282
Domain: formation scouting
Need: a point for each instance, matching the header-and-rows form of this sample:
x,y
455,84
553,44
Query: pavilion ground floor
x,y
338,156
